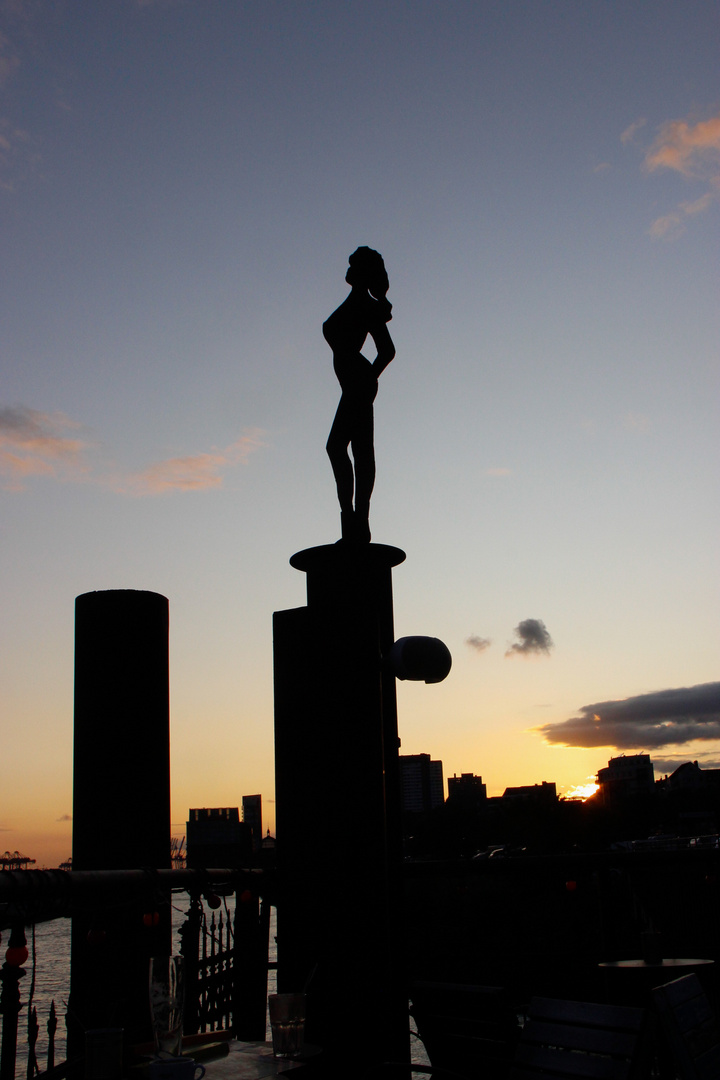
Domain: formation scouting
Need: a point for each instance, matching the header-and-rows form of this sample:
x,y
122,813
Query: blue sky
x,y
181,183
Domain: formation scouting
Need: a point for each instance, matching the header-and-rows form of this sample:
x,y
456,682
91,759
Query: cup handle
x,y
199,1075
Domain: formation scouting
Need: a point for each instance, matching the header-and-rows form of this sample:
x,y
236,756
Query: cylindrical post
x,y
121,804
121,758
249,966
336,761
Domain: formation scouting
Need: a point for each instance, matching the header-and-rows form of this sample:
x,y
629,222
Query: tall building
x,y
218,838
252,816
466,791
421,783
625,776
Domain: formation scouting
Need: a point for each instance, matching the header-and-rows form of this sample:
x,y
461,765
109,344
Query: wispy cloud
x,y
499,471
630,132
671,225
633,421
693,151
534,639
661,718
196,472
34,443
690,149
479,644
667,227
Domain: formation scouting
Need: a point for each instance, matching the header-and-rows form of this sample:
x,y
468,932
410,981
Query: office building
x,y
625,777
421,783
252,816
218,838
466,791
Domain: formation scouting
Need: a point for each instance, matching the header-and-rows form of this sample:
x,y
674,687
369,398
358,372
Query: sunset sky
x,y
181,183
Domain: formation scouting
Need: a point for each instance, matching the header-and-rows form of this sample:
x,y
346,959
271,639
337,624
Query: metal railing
x,y
226,953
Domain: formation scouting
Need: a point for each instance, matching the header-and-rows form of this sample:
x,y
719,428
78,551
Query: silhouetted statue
x,y
365,311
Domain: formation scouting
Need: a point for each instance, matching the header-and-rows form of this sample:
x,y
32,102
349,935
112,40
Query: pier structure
x,y
338,801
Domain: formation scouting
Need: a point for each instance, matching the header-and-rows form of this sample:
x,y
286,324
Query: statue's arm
x,y
384,345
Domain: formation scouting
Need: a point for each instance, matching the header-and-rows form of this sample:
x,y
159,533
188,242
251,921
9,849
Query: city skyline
x,y
181,184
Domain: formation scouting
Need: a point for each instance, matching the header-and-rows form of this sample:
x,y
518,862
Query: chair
x,y
690,1027
580,1039
467,1030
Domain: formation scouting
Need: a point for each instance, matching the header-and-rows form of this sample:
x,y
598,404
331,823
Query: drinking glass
x,y
287,1021
167,989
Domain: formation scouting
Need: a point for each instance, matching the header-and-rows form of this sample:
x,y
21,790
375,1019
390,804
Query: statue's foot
x,y
361,525
355,529
347,526
362,530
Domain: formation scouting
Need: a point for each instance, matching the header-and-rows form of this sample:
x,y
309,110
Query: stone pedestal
x,y
337,802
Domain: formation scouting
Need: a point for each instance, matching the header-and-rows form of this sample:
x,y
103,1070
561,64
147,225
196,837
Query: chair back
x,y
469,1030
581,1039
690,1027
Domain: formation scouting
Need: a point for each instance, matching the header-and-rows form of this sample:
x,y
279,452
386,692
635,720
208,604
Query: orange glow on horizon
x,y
582,791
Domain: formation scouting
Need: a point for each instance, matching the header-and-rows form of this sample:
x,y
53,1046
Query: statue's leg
x,y
337,450
364,457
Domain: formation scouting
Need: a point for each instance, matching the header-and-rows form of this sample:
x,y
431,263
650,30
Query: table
x,y
629,982
672,966
250,1061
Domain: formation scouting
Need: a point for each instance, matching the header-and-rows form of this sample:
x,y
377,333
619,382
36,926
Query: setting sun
x,y
582,791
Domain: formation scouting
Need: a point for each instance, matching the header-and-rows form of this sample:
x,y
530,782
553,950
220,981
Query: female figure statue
x,y
365,311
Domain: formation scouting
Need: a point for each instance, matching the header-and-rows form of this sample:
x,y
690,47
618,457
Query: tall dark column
x,y
121,754
121,802
337,801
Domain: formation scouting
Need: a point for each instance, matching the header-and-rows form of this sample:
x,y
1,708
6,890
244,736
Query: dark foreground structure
x,y
337,796
121,801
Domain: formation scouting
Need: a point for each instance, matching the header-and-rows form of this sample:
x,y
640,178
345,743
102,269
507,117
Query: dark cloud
x,y
64,817
647,721
480,644
534,639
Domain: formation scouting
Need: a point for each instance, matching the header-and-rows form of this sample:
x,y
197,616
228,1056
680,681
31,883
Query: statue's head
x,y
367,270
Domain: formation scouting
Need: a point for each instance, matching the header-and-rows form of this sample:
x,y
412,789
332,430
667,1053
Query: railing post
x,y
189,949
10,975
211,975
33,1032
51,1029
